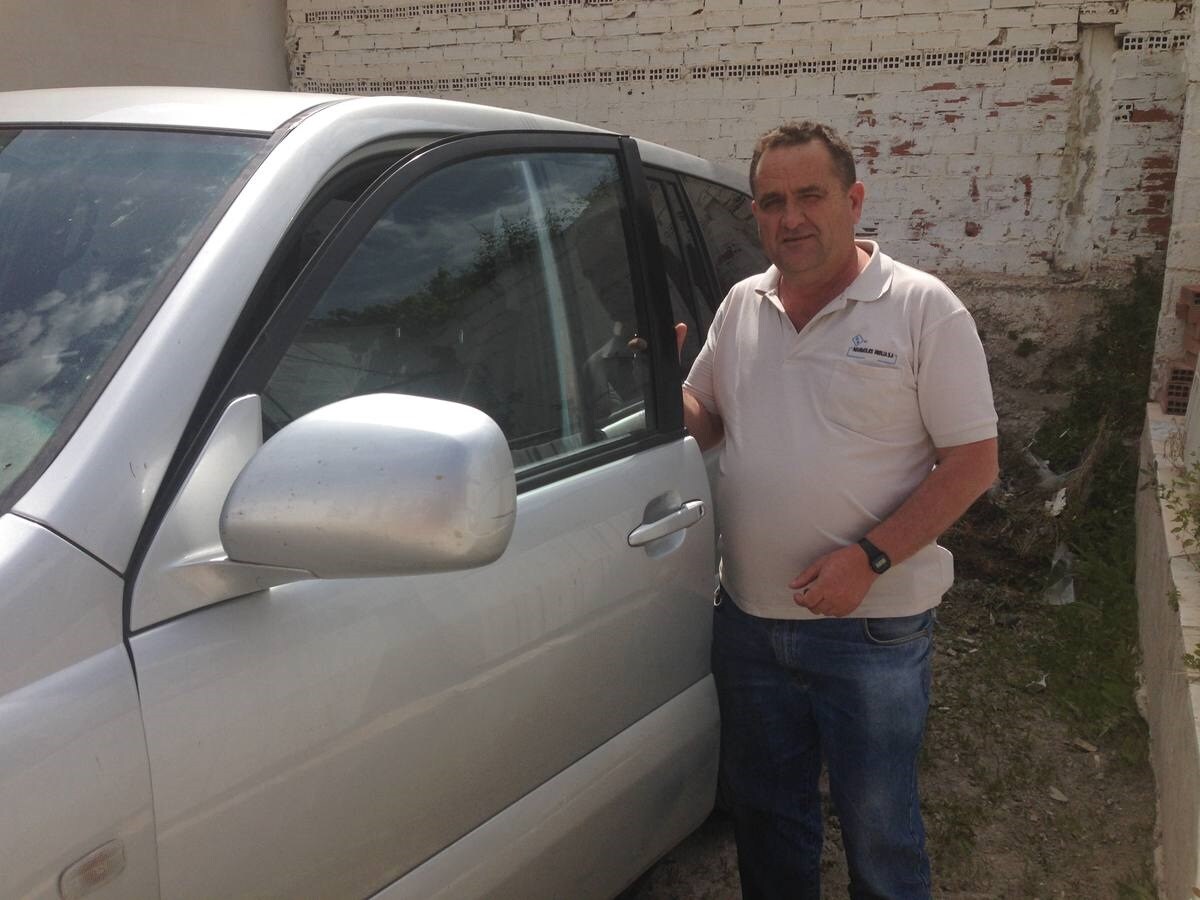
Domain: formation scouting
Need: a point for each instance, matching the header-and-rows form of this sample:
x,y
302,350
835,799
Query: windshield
x,y
90,222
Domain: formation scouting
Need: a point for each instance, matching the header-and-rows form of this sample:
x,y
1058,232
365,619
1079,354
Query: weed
x,y
1173,599
1090,648
1191,661
1141,887
1026,347
1181,497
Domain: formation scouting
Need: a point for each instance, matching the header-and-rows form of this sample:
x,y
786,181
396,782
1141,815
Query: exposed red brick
x,y
904,149
941,86
950,118
993,114
1063,81
1159,181
1028,182
919,228
1010,102
1158,225
974,188
971,229
871,150
1153,114
1045,98
1155,203
867,117
1158,162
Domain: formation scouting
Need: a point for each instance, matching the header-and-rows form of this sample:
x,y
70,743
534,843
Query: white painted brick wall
x,y
1182,179
961,110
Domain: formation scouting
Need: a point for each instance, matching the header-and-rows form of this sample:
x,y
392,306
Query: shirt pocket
x,y
870,400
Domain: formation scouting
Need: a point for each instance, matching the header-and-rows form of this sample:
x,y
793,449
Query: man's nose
x,y
793,214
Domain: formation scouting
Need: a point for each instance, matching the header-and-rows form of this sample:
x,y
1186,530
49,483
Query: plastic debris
x,y
1061,590
1056,794
1056,504
1048,479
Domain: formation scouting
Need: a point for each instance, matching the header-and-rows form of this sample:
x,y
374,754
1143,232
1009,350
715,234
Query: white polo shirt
x,y
829,429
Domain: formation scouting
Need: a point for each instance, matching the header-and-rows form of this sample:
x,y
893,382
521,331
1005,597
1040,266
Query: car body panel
x,y
391,716
73,767
630,796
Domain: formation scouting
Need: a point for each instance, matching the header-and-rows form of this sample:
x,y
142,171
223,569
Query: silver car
x,y
350,539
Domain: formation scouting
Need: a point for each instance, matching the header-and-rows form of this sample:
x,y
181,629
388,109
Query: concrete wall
x,y
1020,137
222,43
1168,586
1183,252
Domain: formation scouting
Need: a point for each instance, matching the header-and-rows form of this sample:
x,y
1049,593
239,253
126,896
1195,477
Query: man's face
x,y
805,214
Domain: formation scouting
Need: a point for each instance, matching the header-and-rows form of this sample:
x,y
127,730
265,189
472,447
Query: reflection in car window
x,y
688,303
90,221
729,230
501,282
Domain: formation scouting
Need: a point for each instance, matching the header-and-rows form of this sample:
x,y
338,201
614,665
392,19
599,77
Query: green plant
x,y
1181,497
1191,661
1089,648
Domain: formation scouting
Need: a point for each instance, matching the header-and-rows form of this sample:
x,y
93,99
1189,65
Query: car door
x,y
324,738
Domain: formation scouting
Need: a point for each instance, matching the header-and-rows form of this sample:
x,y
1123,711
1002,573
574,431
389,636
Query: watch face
x,y
879,564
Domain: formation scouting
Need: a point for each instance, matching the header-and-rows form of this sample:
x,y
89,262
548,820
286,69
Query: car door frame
x,y
664,406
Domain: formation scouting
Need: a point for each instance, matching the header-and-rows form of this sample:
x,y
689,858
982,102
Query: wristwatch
x,y
880,562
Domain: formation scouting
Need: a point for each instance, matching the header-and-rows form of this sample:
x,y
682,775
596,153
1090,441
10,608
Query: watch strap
x,y
879,561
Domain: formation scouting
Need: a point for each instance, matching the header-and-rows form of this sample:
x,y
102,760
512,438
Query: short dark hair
x,y
791,134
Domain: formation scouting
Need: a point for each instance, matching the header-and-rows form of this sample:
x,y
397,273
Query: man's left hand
x,y
835,584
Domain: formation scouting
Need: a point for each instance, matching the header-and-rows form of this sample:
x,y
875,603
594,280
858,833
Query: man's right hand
x,y
705,427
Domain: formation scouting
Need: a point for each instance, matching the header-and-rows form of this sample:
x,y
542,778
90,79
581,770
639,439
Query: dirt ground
x,y
1035,780
1018,803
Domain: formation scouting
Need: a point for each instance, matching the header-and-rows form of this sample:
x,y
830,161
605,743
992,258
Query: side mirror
x,y
383,484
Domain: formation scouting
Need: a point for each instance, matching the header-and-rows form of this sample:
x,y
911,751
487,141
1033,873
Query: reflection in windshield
x,y
90,221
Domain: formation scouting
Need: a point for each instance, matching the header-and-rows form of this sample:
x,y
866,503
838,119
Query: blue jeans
x,y
854,692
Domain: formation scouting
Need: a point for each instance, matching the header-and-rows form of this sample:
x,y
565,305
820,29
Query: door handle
x,y
685,516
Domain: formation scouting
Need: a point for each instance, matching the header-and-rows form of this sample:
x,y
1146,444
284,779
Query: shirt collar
x,y
871,284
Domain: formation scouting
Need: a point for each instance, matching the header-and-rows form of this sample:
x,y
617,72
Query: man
x,y
853,398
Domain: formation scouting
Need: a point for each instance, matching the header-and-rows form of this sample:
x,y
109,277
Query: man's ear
x,y
857,194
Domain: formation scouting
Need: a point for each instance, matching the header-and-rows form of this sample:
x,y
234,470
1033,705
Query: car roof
x,y
226,109
264,112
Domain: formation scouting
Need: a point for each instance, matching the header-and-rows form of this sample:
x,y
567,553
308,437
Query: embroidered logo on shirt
x,y
860,348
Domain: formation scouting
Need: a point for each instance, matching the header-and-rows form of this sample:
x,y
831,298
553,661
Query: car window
x,y
502,282
729,231
689,304
91,220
